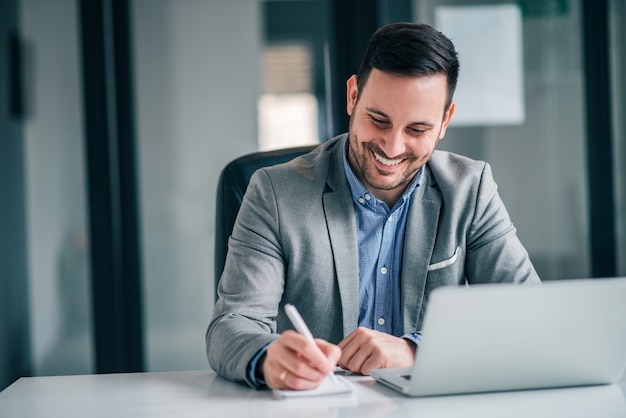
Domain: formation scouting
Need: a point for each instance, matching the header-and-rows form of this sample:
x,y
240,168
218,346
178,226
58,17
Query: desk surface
x,y
203,394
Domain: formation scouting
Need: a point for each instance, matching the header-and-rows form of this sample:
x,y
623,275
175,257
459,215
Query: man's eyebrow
x,y
386,116
379,112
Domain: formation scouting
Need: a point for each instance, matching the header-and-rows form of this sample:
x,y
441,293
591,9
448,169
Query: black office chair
x,y
232,185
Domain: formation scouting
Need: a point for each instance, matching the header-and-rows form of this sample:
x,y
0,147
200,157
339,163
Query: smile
x,y
387,161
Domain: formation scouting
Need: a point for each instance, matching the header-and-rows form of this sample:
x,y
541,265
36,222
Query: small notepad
x,y
341,386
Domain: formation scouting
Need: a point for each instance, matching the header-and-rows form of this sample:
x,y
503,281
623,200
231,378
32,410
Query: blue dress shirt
x,y
380,232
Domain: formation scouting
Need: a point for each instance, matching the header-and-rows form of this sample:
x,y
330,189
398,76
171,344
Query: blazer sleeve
x,y
281,252
244,316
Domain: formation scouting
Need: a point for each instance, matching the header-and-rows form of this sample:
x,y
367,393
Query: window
x,y
287,108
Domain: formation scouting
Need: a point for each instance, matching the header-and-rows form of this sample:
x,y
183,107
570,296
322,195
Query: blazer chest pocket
x,y
445,263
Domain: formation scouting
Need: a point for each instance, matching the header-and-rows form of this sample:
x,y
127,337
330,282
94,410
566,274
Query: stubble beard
x,y
367,171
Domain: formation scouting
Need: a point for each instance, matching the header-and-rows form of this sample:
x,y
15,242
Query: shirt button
x,y
383,270
367,197
381,321
361,201
390,219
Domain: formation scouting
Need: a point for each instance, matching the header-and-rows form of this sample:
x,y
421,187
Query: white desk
x,y
203,394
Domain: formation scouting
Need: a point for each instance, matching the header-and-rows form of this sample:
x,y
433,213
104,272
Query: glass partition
x,y
197,78
617,13
58,241
538,159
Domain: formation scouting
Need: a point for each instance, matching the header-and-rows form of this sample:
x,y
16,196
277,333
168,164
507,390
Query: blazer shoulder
x,y
311,168
451,171
450,162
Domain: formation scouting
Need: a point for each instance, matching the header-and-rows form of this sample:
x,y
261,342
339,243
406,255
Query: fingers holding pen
x,y
294,362
332,353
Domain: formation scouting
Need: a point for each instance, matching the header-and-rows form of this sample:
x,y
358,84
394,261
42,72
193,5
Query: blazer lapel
x,y
341,225
419,241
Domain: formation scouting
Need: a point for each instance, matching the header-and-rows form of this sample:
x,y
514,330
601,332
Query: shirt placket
x,y
385,277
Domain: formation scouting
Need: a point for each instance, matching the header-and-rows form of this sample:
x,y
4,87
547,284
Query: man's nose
x,y
395,143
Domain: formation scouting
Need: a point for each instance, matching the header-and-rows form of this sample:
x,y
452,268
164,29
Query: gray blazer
x,y
295,241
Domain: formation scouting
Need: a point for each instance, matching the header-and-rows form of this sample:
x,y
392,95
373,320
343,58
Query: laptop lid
x,y
496,337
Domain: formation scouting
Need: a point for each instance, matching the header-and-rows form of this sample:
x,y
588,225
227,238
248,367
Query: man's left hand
x,y
366,349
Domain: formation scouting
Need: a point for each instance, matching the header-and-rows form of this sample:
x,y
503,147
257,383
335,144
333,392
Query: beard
x,y
371,175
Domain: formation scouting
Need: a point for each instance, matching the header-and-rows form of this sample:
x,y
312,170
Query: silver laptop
x,y
498,337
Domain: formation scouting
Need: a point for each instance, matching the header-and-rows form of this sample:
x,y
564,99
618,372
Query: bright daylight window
x,y
288,109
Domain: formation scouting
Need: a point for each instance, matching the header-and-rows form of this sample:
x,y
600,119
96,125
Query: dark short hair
x,y
410,49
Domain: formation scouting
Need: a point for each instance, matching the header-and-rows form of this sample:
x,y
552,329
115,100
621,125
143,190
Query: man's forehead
x,y
388,94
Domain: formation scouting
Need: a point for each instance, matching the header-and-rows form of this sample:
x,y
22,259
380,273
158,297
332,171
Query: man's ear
x,y
446,120
352,90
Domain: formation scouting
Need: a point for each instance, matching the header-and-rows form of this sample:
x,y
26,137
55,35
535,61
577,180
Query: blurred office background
x,y
117,116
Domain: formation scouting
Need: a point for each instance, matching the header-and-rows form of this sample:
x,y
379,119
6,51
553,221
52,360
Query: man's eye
x,y
379,122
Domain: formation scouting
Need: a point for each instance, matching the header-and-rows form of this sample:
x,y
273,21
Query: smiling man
x,y
358,232
395,125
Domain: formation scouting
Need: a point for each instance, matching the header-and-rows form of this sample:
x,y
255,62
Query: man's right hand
x,y
293,362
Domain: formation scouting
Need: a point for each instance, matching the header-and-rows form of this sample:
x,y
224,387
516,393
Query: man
x,y
358,232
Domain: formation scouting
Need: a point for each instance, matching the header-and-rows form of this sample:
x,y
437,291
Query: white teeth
x,y
386,161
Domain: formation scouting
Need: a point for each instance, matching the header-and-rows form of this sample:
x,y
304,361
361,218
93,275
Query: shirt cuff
x,y
416,338
257,382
